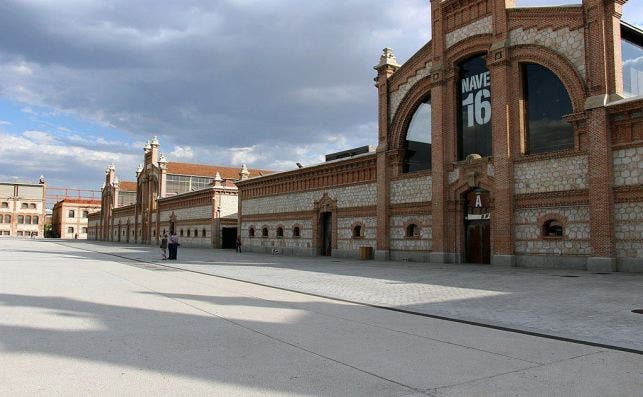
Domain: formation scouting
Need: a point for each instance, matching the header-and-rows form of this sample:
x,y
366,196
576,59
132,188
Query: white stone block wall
x,y
192,240
568,173
398,233
628,227
347,197
229,205
481,26
183,214
628,166
411,190
345,240
288,241
569,44
575,241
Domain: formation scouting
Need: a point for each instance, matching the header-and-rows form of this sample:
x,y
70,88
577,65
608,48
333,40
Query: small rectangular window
x,y
70,230
71,214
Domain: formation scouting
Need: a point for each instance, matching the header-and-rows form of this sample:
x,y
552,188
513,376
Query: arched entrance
x,y
326,233
477,226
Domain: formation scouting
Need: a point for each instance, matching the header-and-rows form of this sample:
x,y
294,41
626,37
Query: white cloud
x,y
39,137
182,153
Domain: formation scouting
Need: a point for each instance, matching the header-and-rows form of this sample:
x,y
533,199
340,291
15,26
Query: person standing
x,y
164,246
173,245
238,243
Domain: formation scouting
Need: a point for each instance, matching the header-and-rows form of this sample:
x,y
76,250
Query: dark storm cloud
x,y
224,73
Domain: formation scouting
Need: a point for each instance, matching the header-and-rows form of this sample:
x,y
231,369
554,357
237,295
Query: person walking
x,y
238,243
164,246
173,245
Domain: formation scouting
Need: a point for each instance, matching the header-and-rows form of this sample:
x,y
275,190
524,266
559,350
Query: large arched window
x,y
546,102
418,139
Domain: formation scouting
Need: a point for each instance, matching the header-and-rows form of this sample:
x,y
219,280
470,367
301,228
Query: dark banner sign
x,y
477,205
474,132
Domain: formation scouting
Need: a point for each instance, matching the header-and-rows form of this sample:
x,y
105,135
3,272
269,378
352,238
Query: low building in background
x,y
22,209
70,217
197,201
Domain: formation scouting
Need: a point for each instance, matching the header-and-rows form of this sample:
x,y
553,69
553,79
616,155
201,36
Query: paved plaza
x,y
80,318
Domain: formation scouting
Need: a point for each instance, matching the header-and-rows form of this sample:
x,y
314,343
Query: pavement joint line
x,y
294,306
250,329
515,371
389,308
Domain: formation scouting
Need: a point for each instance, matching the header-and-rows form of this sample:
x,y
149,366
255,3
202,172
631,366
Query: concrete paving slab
x,y
564,303
74,322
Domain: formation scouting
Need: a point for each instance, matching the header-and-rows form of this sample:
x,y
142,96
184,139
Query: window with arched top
x,y
552,228
188,232
34,220
296,232
24,206
203,233
280,232
417,155
358,231
7,219
196,232
32,206
264,232
412,231
21,219
546,103
181,232
28,219
251,232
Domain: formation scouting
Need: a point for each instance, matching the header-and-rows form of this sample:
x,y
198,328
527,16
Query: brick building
x,y
514,136
70,217
22,209
197,201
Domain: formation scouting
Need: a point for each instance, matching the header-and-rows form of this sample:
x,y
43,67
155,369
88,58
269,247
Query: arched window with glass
x,y
418,139
546,102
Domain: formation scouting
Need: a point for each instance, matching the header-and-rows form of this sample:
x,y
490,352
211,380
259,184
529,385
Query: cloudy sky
x,y
263,82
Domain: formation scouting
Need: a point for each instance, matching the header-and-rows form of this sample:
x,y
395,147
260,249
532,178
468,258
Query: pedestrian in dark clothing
x,y
238,243
164,246
173,246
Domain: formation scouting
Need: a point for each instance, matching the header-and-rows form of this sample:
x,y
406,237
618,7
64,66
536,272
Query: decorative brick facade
x,y
576,206
204,216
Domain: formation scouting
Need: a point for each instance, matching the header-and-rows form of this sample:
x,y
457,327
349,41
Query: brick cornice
x,y
628,194
422,208
546,17
349,172
564,198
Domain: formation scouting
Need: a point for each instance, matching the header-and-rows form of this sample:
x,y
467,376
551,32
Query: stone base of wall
x,y
287,251
504,260
445,257
552,261
411,256
632,265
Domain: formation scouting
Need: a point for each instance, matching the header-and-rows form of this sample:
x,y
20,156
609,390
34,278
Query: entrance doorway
x,y
478,242
477,227
229,237
326,231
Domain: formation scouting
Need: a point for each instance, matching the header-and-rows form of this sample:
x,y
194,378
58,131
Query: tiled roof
x,y
211,170
69,200
127,186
